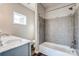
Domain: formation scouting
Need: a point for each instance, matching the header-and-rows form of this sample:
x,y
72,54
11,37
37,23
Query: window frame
x,y
17,18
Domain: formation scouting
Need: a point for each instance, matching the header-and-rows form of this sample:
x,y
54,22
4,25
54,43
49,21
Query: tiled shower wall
x,y
41,30
59,30
62,30
77,29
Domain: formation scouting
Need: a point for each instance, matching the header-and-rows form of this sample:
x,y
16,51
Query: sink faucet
x,y
1,35
1,44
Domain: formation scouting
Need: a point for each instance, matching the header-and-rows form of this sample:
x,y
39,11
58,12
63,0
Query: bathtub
x,y
52,49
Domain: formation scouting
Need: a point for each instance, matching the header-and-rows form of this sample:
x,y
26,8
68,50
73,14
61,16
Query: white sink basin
x,y
10,40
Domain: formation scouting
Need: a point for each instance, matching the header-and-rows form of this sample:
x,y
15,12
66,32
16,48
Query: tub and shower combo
x,y
52,49
48,31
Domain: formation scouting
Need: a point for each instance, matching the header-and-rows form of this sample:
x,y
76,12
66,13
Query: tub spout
x,y
74,44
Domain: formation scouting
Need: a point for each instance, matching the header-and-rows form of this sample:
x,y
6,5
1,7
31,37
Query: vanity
x,y
15,46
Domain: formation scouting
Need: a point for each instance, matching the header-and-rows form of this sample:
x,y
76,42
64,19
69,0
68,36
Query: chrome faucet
x,y
1,44
74,44
1,35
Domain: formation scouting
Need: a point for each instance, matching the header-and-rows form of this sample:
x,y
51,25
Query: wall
x,y
41,30
41,10
59,30
41,18
77,29
6,18
59,26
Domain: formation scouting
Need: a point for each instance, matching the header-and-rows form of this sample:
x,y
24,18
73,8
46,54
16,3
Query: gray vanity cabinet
x,y
24,50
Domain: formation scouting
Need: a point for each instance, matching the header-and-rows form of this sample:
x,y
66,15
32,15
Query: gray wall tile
x,y
59,30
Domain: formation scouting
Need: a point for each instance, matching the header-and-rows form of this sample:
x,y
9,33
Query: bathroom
x,y
21,32
39,29
57,29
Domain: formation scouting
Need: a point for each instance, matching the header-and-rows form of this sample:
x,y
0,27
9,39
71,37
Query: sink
x,y
10,40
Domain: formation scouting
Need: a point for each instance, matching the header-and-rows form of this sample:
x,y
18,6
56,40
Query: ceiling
x,y
47,6
31,6
52,6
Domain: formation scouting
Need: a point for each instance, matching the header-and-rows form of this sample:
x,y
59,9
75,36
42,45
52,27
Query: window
x,y
19,18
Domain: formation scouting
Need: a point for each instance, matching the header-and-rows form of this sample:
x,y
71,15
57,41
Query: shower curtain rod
x,y
62,7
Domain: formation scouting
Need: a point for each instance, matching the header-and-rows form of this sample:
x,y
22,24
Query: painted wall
x,y
6,20
59,30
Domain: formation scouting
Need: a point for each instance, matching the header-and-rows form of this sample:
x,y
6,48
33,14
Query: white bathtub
x,y
52,49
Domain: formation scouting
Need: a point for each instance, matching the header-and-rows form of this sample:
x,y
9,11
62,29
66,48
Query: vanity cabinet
x,y
24,50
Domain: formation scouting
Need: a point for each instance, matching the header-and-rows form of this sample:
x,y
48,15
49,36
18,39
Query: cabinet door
x,y
0,54
19,51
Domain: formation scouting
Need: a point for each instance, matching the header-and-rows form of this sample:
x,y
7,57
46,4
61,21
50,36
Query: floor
x,y
39,54
35,54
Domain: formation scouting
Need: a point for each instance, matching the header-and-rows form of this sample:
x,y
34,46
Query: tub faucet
x,y
74,44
